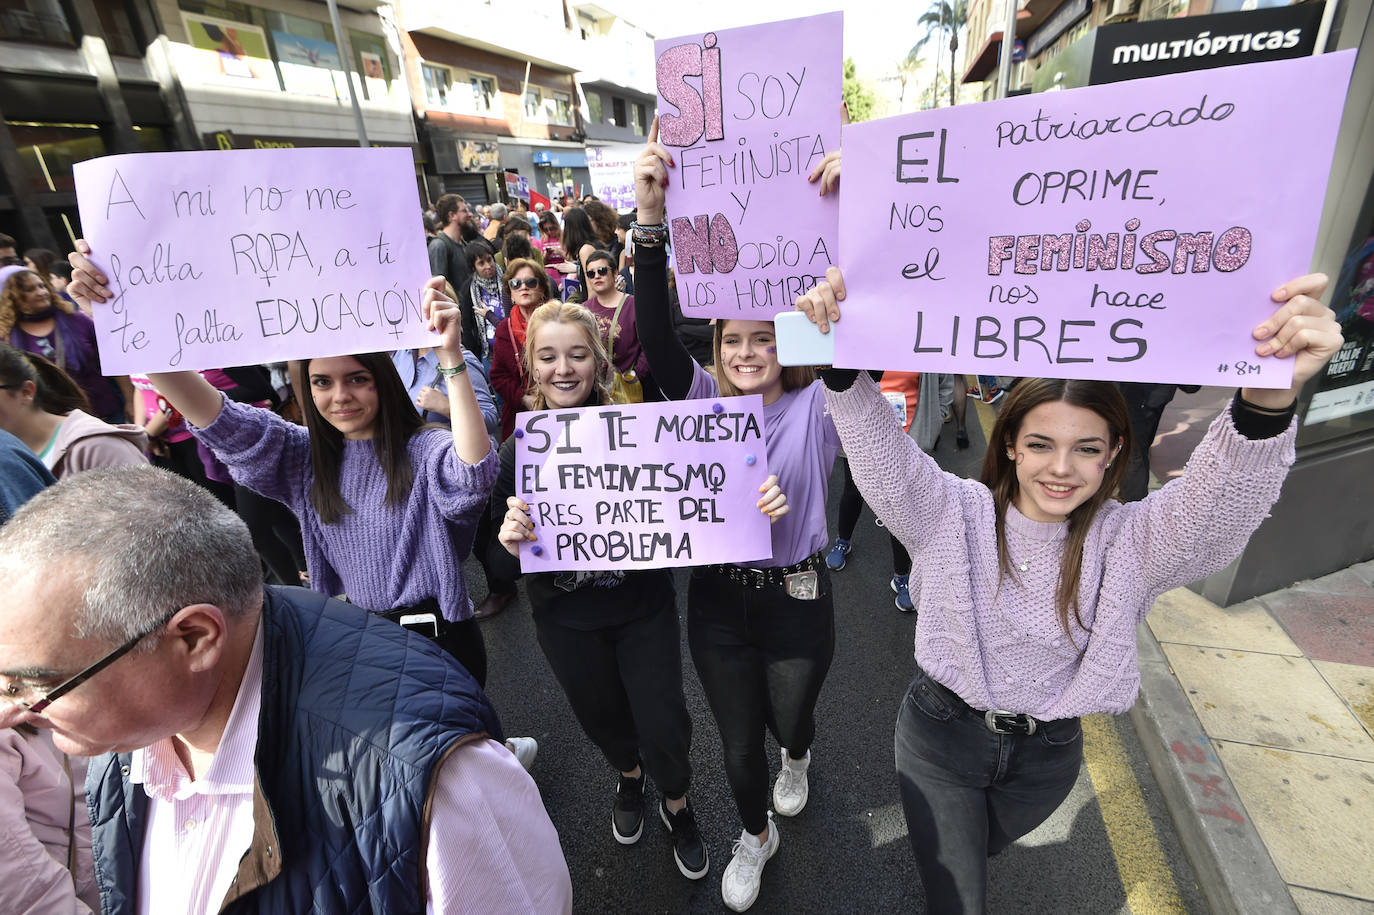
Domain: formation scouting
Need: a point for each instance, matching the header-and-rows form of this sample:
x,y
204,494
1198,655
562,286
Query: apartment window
x,y
534,104
34,20
594,107
485,101
618,112
118,27
438,82
639,119
560,109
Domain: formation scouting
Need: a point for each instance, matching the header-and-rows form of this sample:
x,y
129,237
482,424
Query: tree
x,y
943,17
858,98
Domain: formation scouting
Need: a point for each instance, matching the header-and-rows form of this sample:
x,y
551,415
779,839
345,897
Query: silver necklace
x,y
1025,564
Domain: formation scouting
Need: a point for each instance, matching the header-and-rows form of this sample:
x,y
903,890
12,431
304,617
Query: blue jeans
x,y
968,792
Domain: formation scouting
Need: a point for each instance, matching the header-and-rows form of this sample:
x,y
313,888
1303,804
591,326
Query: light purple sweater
x,y
1011,652
382,556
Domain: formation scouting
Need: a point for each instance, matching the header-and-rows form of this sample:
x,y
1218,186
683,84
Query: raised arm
x,y
469,429
1197,524
669,362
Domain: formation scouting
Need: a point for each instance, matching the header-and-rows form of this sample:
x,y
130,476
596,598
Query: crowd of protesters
x,y
303,469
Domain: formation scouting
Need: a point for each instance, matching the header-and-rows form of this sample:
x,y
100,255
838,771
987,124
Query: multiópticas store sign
x,y
1137,49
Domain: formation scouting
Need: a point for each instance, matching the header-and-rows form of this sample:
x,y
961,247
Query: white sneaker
x,y
791,790
525,749
740,885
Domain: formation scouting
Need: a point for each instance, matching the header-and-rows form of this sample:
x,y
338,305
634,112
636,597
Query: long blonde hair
x,y
556,312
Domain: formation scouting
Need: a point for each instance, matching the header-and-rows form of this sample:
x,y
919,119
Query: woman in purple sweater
x,y
762,638
1032,579
387,504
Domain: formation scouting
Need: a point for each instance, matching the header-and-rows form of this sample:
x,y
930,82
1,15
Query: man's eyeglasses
x,y
18,694
597,272
527,282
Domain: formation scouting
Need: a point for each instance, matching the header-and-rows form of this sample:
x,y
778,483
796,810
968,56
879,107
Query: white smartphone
x,y
800,343
427,624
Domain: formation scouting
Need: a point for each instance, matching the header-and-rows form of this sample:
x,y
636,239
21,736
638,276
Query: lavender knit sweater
x,y
382,556
1005,649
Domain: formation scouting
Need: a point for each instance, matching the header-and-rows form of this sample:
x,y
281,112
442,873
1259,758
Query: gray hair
x,y
498,211
150,542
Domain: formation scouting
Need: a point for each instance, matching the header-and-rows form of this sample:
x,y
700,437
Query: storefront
x,y
561,170
461,163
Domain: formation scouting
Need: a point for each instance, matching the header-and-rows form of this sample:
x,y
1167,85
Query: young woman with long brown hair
x,y
1032,579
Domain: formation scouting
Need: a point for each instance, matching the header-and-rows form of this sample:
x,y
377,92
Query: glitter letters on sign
x,y
1131,232
747,114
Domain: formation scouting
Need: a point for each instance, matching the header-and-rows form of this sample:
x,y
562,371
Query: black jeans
x,y
762,657
968,792
463,640
624,684
851,506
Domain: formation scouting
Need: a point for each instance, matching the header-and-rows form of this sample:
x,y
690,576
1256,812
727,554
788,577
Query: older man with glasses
x,y
268,736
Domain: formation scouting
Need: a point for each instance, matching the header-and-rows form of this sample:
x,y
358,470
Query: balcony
x,y
536,34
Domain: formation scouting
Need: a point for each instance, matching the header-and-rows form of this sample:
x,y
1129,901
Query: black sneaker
x,y
688,849
627,817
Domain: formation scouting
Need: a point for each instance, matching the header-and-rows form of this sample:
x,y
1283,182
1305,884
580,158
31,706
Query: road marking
x,y
1145,875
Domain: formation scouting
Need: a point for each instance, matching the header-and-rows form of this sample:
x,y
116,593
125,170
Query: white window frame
x,y
551,108
494,109
446,100
537,113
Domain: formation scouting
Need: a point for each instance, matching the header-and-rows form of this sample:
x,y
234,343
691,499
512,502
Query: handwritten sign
x,y
1131,232
645,486
243,256
613,175
747,114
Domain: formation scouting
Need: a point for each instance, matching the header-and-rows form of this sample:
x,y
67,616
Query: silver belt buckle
x,y
990,719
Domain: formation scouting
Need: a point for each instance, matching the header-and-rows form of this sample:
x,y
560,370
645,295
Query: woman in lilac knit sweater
x,y
1032,580
387,505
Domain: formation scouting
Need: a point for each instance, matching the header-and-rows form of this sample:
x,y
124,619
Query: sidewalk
x,y
1258,720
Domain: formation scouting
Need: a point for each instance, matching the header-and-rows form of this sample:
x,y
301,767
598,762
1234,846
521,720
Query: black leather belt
x,y
998,721
760,578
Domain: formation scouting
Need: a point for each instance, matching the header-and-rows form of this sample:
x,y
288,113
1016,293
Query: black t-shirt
x,y
446,259
578,600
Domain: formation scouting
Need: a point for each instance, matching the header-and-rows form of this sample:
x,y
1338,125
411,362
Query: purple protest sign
x,y
1131,232
235,257
747,114
643,486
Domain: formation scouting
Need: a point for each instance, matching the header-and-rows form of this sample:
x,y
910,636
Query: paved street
x,y
1110,848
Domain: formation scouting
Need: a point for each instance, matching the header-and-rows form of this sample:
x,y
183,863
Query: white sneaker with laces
x,y
525,749
791,790
740,885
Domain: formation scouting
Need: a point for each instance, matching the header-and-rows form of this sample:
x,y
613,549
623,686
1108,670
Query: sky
x,y
875,37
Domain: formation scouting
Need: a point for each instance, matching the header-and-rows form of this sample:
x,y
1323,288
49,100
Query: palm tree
x,y
944,16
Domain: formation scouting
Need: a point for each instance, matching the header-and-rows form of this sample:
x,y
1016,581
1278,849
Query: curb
x,y
1233,867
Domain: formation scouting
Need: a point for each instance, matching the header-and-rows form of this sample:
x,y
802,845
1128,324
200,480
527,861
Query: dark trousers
x,y
968,792
762,657
624,684
463,640
276,534
851,506
1145,405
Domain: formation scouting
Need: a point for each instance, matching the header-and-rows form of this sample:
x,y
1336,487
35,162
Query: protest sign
x,y
643,486
747,114
257,255
1130,232
613,175
517,187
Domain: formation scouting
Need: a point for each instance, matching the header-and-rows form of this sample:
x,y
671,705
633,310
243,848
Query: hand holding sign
x,y
651,180
443,317
1303,328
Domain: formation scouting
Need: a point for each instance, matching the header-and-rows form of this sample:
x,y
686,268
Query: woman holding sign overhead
x,y
1032,579
762,638
611,637
385,502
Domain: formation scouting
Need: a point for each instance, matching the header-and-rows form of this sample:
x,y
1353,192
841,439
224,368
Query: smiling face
x,y
526,296
601,275
564,364
345,393
31,293
749,358
1062,453
485,267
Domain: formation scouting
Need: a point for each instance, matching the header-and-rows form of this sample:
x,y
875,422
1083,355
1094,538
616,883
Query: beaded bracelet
x,y
458,369
649,236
